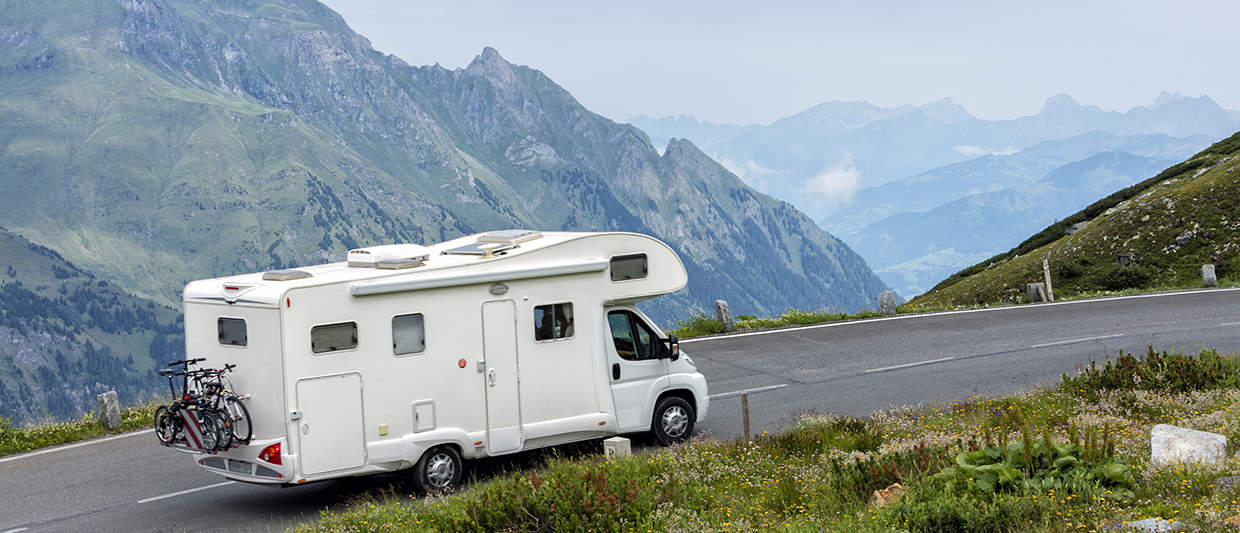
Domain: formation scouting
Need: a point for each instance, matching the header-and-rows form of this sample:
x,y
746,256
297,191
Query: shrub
x,y
1158,371
698,324
1120,277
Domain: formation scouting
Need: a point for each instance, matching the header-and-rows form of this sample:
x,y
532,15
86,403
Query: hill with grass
x,y
1155,234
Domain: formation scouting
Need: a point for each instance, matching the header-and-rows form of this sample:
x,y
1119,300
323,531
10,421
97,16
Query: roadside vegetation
x,y
1073,457
40,435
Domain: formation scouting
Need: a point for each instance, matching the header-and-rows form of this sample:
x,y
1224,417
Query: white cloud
x,y
752,173
978,151
836,185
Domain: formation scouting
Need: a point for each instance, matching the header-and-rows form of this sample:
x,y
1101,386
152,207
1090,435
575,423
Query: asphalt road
x,y
129,483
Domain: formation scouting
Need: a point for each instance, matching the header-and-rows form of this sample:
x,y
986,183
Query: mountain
x,y
913,251
66,336
662,130
1156,233
151,142
824,157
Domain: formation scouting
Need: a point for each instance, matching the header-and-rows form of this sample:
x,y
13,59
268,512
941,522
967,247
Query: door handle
x,y
491,377
615,371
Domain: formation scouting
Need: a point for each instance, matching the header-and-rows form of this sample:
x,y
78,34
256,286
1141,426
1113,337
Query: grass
x,y
23,439
819,475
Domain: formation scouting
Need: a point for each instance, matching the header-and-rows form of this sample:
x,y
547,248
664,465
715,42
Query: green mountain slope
x,y
152,142
66,336
1156,233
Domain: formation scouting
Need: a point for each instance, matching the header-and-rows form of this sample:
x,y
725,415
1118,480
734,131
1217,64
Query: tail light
x,y
271,454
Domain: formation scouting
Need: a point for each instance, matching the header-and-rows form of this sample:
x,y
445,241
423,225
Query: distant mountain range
x,y
923,191
151,142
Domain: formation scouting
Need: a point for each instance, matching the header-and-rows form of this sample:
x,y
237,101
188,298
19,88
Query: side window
x,y
622,334
333,337
408,334
553,321
625,267
232,331
633,339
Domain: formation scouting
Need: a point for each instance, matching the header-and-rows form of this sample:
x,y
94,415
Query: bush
x,y
1120,277
1158,371
698,324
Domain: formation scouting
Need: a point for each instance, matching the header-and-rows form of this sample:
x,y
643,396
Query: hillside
x,y
1156,233
66,336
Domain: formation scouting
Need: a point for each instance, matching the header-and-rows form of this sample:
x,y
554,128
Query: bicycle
x,y
206,426
217,387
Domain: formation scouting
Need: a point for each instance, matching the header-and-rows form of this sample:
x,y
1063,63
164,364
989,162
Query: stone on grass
x,y
1207,276
888,495
617,448
887,303
1232,522
1036,292
1157,524
725,315
1171,444
109,409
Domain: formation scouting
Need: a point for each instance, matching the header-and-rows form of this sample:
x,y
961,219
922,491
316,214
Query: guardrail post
x,y
1207,276
745,413
887,303
109,409
1046,271
725,315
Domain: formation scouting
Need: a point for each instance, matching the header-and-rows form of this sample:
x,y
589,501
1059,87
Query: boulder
x,y
1171,444
888,495
1157,524
725,315
1207,276
1036,292
887,303
109,409
1232,522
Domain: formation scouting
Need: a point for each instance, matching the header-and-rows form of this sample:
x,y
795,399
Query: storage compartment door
x,y
499,346
331,431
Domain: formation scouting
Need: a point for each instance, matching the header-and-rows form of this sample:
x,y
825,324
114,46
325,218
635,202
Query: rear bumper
x,y
242,464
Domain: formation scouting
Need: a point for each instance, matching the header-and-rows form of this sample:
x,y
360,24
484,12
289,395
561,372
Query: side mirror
x,y
673,348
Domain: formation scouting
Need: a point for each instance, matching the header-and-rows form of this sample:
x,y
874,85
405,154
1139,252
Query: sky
x,y
754,62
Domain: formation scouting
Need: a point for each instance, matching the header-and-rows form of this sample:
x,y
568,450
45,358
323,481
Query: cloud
x,y
836,185
752,173
978,151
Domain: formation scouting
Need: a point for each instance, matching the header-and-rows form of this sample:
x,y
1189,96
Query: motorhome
x,y
419,357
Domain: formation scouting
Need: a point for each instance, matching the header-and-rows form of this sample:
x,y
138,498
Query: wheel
x,y
673,421
167,425
439,470
210,430
239,416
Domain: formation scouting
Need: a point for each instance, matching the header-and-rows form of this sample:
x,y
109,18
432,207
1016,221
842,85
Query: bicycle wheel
x,y
224,426
210,430
239,415
167,425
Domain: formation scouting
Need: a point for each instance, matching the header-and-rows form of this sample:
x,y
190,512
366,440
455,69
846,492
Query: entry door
x,y
331,432
499,350
635,366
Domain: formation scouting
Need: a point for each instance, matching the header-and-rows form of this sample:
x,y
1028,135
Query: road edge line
x,y
33,453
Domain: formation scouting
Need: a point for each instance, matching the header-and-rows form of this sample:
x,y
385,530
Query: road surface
x,y
129,483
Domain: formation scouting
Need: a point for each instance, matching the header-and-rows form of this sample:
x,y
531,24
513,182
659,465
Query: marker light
x,y
271,454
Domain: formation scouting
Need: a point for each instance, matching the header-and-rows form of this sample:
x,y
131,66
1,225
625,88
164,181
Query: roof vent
x,y
370,257
285,275
398,264
509,236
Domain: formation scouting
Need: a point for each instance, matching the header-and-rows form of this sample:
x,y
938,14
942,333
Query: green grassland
x,y
1068,458
1152,236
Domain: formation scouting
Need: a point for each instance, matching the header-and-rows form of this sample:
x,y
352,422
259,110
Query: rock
x,y
1232,522
1126,258
1075,227
617,448
1036,292
888,495
887,303
1207,276
109,409
1171,444
1157,524
725,315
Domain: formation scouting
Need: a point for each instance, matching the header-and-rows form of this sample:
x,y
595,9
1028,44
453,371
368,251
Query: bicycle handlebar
x,y
187,361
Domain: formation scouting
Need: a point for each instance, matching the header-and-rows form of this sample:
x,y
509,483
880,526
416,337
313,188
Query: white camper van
x,y
423,356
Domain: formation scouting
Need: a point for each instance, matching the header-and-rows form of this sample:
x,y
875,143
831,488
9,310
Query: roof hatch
x,y
508,236
284,275
372,256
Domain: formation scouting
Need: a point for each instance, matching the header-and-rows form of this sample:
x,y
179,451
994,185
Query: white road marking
x,y
15,530
908,365
767,388
1074,341
965,311
184,492
75,445
1230,324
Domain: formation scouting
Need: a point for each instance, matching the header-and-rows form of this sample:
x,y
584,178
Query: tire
x,y
223,428
438,471
167,426
236,411
210,430
672,422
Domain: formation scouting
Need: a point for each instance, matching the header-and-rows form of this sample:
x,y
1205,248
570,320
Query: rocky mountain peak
x,y
1060,103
